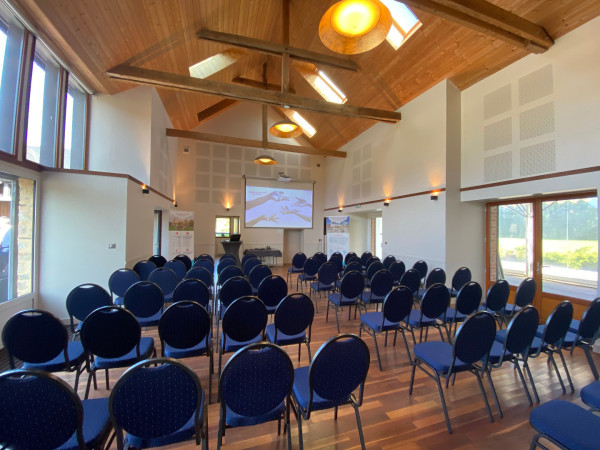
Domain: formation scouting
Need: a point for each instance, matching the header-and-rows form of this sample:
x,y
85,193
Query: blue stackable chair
x,y
388,261
178,267
436,275
374,266
320,257
166,280
325,282
461,277
186,260
158,260
119,282
354,265
293,317
205,264
397,269
433,308
467,302
257,274
412,280
381,285
205,256
585,332
145,300
272,291
349,256
225,262
249,265
193,289
84,299
496,299
309,271
200,273
523,297
229,272
351,289
144,269
248,256
421,267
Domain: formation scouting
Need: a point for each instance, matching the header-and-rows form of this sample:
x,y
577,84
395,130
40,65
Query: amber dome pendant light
x,y
265,160
286,129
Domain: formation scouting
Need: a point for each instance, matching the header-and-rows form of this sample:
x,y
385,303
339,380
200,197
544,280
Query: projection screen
x,y
278,204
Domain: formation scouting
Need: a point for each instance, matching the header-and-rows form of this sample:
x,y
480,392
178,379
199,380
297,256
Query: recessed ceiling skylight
x,y
308,129
404,23
216,63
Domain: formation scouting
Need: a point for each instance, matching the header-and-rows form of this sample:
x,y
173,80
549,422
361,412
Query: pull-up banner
x,y
181,234
337,229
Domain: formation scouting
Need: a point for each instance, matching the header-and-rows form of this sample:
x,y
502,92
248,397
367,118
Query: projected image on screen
x,y
276,207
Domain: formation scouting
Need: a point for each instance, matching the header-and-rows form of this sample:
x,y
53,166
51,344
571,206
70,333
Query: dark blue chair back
x,y
235,288
38,410
525,292
155,398
258,274
397,269
388,261
272,290
184,325
144,299
186,260
205,256
365,257
590,322
245,318
373,268
111,332
474,338
497,296
230,272
121,280
381,282
298,260
435,301
228,256
250,264
85,298
144,269
339,367
178,267
311,266
248,256
223,263
165,278
353,284
412,280
256,380
355,265
205,264
371,260
336,255
294,314
158,260
328,273
349,256
461,277
398,304
521,330
436,275
558,323
200,273
421,267
468,298
192,289
338,262
320,257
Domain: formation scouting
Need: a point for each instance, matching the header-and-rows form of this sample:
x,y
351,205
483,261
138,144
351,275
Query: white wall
x,y
163,163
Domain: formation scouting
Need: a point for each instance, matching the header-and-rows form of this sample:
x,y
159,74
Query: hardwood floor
x,y
390,417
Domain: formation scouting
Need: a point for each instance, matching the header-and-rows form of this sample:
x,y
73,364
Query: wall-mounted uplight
x,y
174,204
386,202
435,195
227,206
340,209
145,189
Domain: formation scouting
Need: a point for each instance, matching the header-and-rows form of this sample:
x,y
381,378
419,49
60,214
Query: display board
x,y
181,233
337,229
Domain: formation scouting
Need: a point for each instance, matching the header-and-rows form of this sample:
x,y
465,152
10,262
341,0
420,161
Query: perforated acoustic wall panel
x,y
497,167
497,102
497,134
537,121
536,85
538,158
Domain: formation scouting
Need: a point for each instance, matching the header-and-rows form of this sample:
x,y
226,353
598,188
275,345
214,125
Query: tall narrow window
x,y
156,241
75,120
226,226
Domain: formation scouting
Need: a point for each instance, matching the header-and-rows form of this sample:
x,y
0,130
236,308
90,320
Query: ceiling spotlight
x,y
265,160
286,129
355,26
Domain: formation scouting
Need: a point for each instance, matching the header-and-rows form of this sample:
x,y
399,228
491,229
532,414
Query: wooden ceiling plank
x,y
216,109
277,49
175,81
483,23
171,132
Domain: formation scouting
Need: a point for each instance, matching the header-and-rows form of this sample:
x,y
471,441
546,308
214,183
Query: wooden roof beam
x,y
273,48
216,109
259,84
490,19
171,132
182,82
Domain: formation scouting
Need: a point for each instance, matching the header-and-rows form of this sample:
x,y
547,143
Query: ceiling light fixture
x,y
286,129
355,26
265,160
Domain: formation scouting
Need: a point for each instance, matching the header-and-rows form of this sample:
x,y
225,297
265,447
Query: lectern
x,y
232,247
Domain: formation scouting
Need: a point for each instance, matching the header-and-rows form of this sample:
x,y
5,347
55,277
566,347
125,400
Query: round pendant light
x,y
265,160
286,129
355,26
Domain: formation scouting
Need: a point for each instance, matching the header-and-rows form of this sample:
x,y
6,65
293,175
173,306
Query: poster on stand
x,y
181,233
338,234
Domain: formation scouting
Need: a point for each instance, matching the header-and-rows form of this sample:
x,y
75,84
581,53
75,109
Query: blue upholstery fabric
x,y
520,331
258,274
235,288
388,261
76,357
145,300
436,275
224,263
302,391
229,272
294,315
397,269
412,280
320,257
228,344
271,291
590,323
352,286
525,292
186,260
121,280
238,420
453,315
337,299
178,267
96,424
158,260
349,256
144,269
85,298
373,268
204,264
166,280
282,338
574,327
200,273
298,261
248,256
311,267
421,267
374,321
475,337
567,423
497,296
178,353
317,286
381,285
192,289
244,320
129,358
184,329
439,356
249,265
416,319
590,395
461,277
498,353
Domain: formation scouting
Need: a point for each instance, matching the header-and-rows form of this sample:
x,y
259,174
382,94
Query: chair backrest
x,y
259,273
165,278
155,398
461,277
228,256
468,298
248,256
34,336
205,264
85,298
398,304
38,410
525,292
256,380
497,296
320,257
381,282
178,267
186,260
244,319
435,301
365,257
352,285
421,267
521,330
371,260
205,256
339,367
590,322
298,260
144,269
250,264
229,272
271,290
338,262
349,256
558,323
144,299
294,314
336,255
412,280
192,289
354,265
327,273
184,325
311,266
158,260
121,279
437,275
223,263
200,273
474,338
111,332
373,268
388,261
234,288
397,269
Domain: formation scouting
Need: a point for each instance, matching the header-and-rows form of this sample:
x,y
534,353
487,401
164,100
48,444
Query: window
x,y
404,23
75,122
17,206
157,233
308,129
226,226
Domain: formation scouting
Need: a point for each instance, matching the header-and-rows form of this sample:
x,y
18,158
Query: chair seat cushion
x,y
231,345
282,338
301,392
421,293
76,358
567,423
96,424
318,286
454,315
369,297
146,349
118,301
150,321
305,277
511,309
574,327
590,395
453,292
338,300
185,433
235,420
295,270
254,291
373,321
438,355
496,355
177,353
415,320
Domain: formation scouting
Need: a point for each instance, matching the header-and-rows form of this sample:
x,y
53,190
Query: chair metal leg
x,y
440,390
327,312
487,404
489,375
299,350
89,382
335,410
221,429
524,383
588,355
287,424
562,385
308,349
298,415
405,344
377,350
412,377
359,425
386,336
566,370
337,320
107,383
526,367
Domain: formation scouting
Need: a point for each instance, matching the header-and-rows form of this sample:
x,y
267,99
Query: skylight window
x,y
216,63
404,24
308,129
327,88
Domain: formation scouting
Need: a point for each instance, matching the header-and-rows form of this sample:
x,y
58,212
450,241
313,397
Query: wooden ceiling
x,y
93,37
